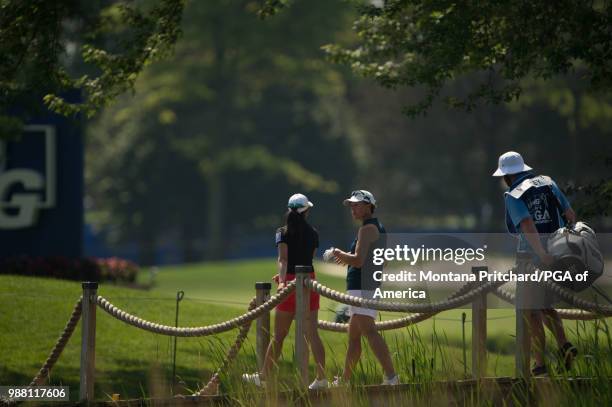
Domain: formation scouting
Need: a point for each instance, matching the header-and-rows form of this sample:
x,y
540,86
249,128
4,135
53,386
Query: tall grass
x,y
425,363
134,363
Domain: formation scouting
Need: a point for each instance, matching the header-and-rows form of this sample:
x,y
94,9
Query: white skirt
x,y
368,294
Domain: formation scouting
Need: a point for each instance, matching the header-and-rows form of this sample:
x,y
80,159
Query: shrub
x,y
79,269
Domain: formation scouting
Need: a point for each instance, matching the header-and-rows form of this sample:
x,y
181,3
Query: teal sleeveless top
x,y
362,278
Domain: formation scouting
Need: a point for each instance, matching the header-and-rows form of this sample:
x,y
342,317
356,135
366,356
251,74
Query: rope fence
x,y
195,331
259,309
212,387
395,323
435,307
57,350
570,314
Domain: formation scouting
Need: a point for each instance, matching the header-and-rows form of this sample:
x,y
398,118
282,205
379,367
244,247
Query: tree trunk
x,y
147,248
187,250
215,233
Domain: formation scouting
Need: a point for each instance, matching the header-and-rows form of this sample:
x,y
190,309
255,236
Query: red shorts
x,y
289,304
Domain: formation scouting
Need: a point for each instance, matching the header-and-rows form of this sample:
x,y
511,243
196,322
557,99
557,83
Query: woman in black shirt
x,y
297,243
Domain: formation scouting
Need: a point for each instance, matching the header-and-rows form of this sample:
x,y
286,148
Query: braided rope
x,y
395,323
597,310
196,331
504,294
394,306
55,353
569,314
212,387
577,302
381,325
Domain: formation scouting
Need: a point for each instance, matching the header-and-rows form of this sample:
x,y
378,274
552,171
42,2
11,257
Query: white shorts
x,y
359,310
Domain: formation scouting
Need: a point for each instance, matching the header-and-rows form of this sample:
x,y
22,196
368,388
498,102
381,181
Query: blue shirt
x,y
516,210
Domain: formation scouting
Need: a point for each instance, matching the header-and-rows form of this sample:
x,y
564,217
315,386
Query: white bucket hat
x,y
361,195
299,202
510,163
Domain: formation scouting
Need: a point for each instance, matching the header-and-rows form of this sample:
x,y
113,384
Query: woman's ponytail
x,y
294,222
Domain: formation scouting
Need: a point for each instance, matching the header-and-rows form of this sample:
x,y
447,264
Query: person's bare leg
x,y
282,323
537,334
553,322
353,353
316,345
377,343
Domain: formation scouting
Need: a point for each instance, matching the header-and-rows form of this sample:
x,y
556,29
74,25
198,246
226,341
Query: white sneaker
x,y
253,378
318,384
394,381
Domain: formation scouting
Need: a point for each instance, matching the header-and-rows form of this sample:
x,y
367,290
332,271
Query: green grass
x,y
135,363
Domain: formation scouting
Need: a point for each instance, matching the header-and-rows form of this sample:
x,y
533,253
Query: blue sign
x,y
41,190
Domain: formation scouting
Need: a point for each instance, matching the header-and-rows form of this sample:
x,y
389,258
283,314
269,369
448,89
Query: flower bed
x,y
79,269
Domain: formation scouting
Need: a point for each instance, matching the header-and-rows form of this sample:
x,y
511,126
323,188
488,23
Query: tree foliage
x,y
428,44
216,138
111,41
435,171
545,55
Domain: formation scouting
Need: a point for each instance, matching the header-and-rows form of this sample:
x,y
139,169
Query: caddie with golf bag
x,y
536,208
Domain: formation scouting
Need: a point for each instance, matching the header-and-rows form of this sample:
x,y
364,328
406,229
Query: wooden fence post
x,y
262,294
302,298
479,331
88,341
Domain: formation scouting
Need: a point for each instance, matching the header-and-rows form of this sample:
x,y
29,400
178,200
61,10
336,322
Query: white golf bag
x,y
575,248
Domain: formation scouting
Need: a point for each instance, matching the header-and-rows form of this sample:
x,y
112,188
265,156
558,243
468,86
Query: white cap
x,y
299,202
361,195
510,163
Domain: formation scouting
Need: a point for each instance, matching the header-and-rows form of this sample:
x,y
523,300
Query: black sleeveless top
x,y
362,278
300,246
